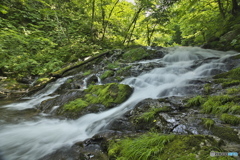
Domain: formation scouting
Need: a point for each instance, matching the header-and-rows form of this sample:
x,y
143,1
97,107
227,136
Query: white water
x,y
34,139
39,96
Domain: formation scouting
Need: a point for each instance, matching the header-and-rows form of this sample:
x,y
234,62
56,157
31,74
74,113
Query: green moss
x,y
208,123
153,146
235,109
207,88
135,55
146,147
113,65
122,71
119,78
225,133
149,115
218,104
230,83
233,90
62,70
43,80
230,119
12,84
229,78
106,74
191,146
75,105
195,101
87,73
108,94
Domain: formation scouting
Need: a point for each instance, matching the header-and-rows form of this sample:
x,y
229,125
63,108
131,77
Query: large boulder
x,y
95,99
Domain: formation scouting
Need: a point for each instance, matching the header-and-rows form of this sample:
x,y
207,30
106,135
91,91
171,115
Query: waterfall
x,y
35,139
40,96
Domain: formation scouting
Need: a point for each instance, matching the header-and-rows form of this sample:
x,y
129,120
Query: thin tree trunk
x,y
221,9
109,16
103,14
148,35
153,30
93,17
132,23
235,7
129,39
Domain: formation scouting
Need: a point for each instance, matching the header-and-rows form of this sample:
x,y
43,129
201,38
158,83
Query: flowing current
x,y
33,139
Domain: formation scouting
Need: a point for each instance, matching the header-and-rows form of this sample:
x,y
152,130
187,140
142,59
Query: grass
x,y
217,104
230,119
233,74
208,123
195,101
151,113
230,83
207,88
233,90
154,146
146,147
228,79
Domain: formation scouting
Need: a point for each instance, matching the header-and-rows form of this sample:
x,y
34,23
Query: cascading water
x,y
38,97
35,139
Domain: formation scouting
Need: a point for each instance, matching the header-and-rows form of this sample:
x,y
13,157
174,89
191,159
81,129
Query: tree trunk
x,y
109,16
93,16
221,9
150,36
132,23
235,7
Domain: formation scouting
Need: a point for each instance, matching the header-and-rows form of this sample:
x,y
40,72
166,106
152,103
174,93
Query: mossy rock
x,y
154,146
124,71
191,147
107,74
230,119
230,78
135,54
208,123
225,133
108,95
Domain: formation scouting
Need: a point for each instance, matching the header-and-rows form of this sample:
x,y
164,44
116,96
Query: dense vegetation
x,y
41,36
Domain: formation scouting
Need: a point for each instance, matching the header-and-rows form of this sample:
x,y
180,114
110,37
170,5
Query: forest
x,y
119,79
39,37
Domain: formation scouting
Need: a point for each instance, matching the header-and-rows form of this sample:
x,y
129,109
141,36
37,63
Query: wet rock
x,y
90,149
93,79
225,133
47,105
95,99
122,125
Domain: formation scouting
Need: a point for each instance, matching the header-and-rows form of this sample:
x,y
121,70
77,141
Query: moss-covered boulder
x,y
10,88
97,98
135,54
